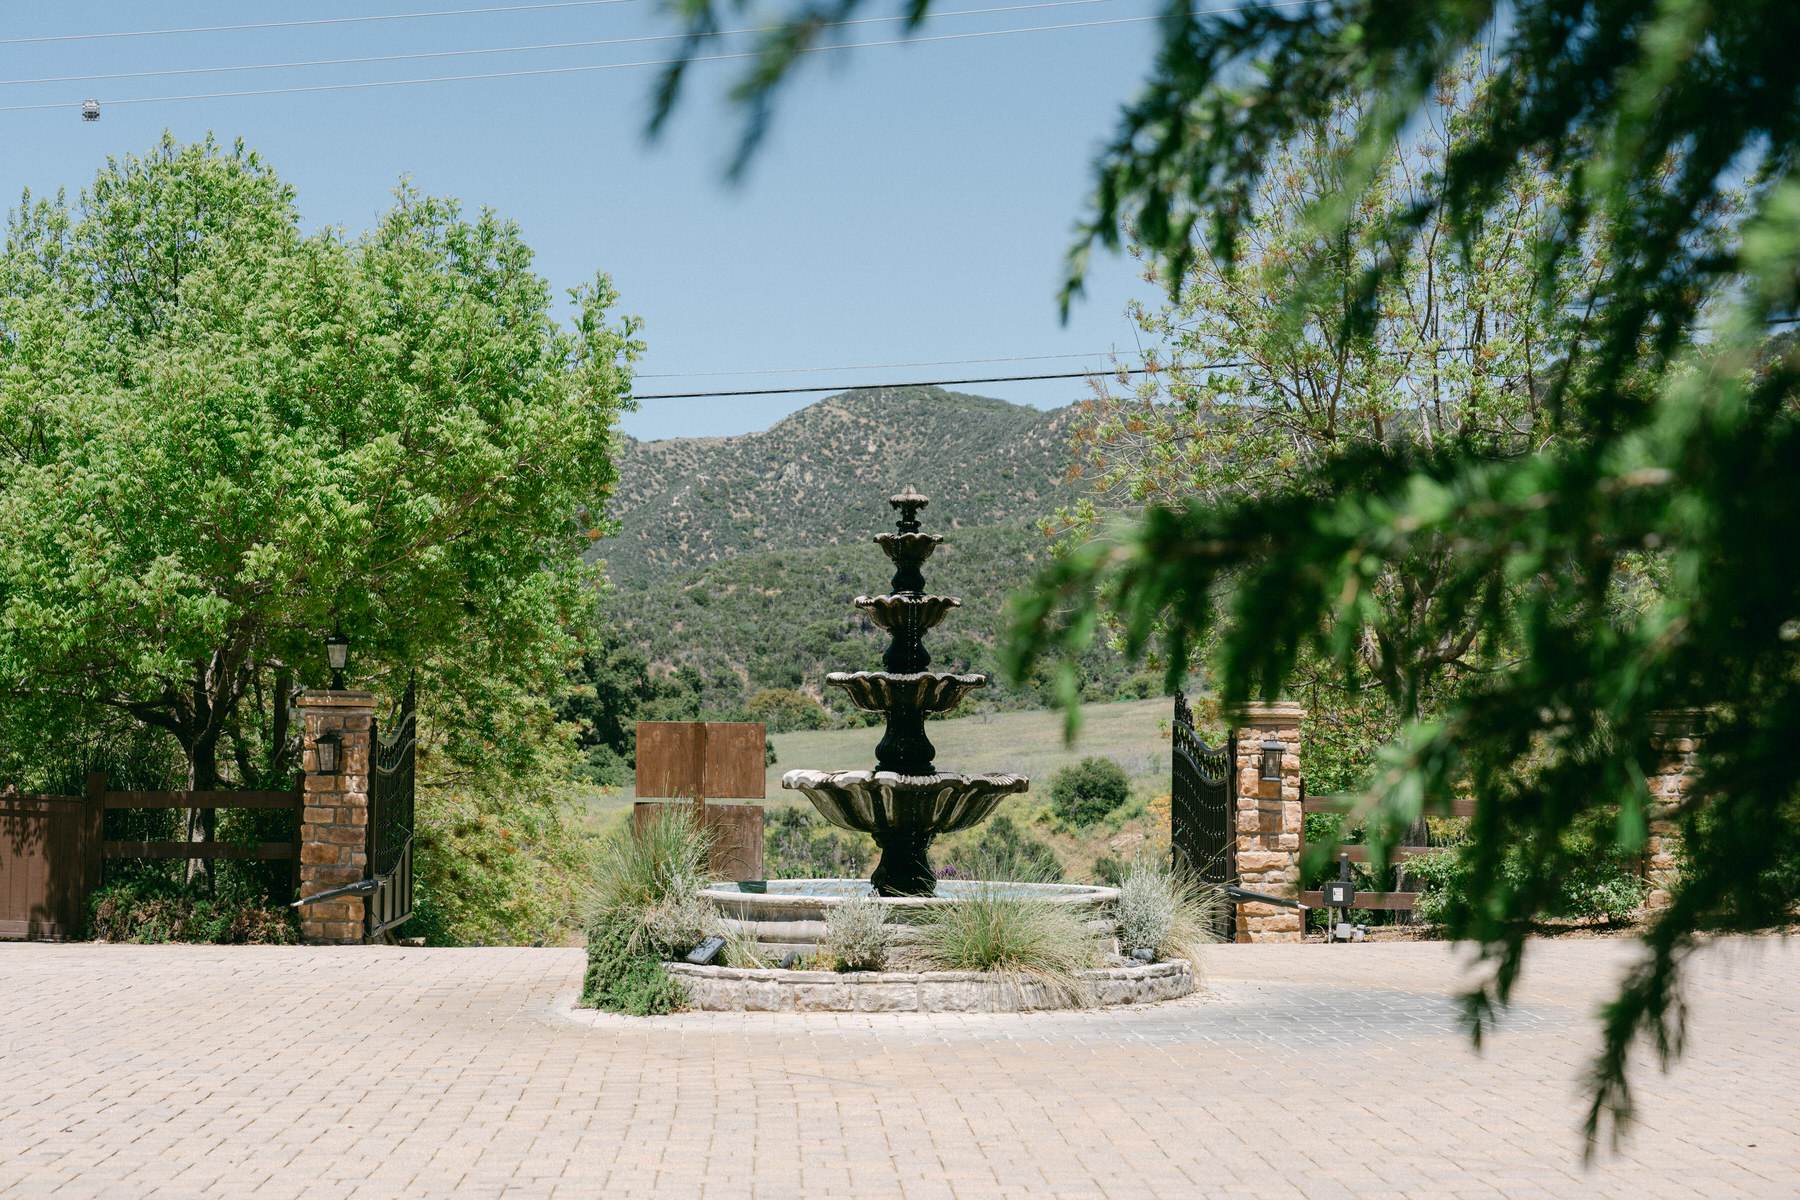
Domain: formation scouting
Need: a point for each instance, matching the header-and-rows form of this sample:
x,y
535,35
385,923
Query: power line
x,y
448,12
863,387
661,62
426,54
940,362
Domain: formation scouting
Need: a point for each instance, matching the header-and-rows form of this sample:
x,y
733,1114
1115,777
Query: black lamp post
x,y
337,654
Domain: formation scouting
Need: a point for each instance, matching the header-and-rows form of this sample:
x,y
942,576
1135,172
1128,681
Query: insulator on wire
x,y
90,110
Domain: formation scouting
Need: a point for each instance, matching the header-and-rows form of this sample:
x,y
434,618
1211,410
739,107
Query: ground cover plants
x,y
1022,939
644,907
1167,912
858,935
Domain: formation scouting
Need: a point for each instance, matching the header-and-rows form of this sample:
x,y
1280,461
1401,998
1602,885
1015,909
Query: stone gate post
x,y
1675,739
334,823
1268,819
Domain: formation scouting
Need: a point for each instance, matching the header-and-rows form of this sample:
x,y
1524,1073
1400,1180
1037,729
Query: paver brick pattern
x,y
1299,1072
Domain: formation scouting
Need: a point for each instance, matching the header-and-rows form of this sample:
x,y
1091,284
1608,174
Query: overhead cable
x,y
939,362
543,46
659,62
865,387
415,16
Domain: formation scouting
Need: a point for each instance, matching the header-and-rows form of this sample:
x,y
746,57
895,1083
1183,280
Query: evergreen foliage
x,y
1083,793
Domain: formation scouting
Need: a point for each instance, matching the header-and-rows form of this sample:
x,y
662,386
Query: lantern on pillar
x,y
330,750
337,655
1271,759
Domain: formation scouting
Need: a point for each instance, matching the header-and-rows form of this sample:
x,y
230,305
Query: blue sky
x,y
912,203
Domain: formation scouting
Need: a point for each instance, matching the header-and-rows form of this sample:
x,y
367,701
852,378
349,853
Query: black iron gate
x,y
390,847
1202,800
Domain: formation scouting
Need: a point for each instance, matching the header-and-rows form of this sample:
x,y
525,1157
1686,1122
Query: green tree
x,y
221,437
1654,112
1083,792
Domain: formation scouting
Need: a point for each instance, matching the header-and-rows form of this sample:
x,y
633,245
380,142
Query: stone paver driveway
x,y
1303,1071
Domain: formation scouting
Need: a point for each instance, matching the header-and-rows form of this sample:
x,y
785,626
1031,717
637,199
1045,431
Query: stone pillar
x,y
334,825
1268,822
1675,740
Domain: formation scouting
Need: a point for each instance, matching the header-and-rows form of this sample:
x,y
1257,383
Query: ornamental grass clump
x,y
857,935
1168,912
1020,937
645,907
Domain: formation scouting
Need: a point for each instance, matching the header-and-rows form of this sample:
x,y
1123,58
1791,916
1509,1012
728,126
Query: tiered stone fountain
x,y
905,802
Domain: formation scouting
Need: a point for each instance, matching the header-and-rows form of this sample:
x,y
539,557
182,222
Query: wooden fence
x,y
1360,854
53,848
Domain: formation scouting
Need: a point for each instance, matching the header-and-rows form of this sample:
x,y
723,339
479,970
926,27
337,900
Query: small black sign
x,y
1339,895
703,953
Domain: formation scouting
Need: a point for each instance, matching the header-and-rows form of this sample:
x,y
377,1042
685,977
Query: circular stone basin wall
x,y
790,915
727,989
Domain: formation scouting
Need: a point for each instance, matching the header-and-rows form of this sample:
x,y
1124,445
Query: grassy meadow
x,y
1132,733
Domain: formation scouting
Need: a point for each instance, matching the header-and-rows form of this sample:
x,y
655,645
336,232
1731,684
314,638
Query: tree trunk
x,y
203,776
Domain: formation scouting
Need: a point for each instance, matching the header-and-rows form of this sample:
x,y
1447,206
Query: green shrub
x,y
1109,870
1003,852
1172,914
1606,887
857,935
1019,937
644,906
1083,793
146,908
783,710
622,977
800,844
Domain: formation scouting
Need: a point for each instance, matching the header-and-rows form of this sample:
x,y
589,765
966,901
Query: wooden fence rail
x,y
53,848
1390,901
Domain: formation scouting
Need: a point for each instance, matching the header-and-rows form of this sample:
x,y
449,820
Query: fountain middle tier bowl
x,y
876,801
923,691
906,614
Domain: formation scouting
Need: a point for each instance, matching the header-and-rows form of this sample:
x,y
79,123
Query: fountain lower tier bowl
x,y
881,802
923,691
790,915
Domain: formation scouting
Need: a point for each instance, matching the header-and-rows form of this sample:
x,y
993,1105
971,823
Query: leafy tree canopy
x,y
220,437
1653,114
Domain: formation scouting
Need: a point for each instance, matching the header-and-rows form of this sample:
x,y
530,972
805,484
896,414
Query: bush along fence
x,y
53,848
1265,804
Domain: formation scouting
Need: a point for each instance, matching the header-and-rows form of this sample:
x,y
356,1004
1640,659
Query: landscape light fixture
x,y
90,110
329,747
1271,759
337,655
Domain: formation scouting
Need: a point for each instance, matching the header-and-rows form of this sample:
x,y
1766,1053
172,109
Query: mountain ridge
x,y
821,476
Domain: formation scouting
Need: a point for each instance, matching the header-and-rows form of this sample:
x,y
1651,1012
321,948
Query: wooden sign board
x,y
695,760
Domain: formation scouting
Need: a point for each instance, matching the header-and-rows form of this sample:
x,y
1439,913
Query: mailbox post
x,y
1340,896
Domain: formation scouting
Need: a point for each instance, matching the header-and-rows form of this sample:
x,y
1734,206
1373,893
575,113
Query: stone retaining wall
x,y
731,989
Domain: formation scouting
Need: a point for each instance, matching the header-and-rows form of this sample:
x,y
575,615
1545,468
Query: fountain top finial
x,y
909,503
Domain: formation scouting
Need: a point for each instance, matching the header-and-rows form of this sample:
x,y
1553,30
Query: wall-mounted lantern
x,y
1271,759
337,655
330,749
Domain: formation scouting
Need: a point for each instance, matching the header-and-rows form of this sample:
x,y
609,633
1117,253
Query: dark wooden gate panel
x,y
1202,803
49,861
390,846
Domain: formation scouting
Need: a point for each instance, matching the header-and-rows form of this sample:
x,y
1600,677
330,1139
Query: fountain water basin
x,y
790,916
